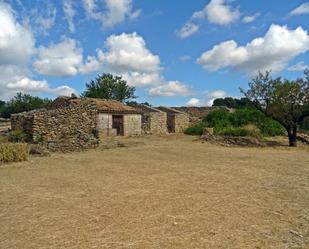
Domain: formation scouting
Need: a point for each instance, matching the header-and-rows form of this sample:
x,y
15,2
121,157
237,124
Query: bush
x,y
222,119
19,136
13,152
237,132
195,130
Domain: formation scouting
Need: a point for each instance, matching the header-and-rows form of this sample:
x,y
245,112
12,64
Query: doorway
x,y
118,124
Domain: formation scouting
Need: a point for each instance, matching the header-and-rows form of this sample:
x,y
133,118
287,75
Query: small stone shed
x,y
177,121
71,123
113,117
153,120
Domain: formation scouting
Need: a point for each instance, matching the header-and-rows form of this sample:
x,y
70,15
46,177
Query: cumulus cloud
x,y
170,89
303,9
17,46
187,30
62,59
194,102
218,12
249,19
299,67
69,12
17,43
115,11
15,79
212,95
271,52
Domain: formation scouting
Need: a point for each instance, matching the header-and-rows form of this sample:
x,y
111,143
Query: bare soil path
x,y
168,192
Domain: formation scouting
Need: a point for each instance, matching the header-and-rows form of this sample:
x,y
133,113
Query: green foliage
x,y
108,86
19,136
195,130
135,103
13,152
234,103
305,124
21,103
237,132
286,101
225,122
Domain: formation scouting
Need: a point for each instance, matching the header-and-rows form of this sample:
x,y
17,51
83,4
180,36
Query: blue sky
x,y
174,52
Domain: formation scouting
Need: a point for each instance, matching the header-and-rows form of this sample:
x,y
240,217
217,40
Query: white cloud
x,y
62,59
43,19
15,79
193,102
303,9
17,46
187,30
128,52
218,12
298,67
249,19
170,89
271,52
184,58
115,11
211,96
16,41
69,12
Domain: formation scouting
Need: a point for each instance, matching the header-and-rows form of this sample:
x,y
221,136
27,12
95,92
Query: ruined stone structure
x,y
177,121
153,120
71,124
68,128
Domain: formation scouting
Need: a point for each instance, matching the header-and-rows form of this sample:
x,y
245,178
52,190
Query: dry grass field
x,y
168,192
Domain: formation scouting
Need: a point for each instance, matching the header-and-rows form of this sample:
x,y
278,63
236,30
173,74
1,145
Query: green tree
x,y
243,103
286,101
108,86
21,103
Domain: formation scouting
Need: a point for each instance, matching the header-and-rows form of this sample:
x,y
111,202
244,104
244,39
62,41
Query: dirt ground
x,y
168,192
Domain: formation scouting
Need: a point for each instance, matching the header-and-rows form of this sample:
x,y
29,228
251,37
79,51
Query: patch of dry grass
x,y
13,152
167,192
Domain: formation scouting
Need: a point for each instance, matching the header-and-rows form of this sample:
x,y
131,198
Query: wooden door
x,y
118,124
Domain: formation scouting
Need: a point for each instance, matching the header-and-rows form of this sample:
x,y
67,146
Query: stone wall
x,y
132,124
182,122
23,121
199,112
177,121
154,123
63,129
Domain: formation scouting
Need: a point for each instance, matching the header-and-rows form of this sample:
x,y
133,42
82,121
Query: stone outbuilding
x,y
113,117
153,120
71,123
177,121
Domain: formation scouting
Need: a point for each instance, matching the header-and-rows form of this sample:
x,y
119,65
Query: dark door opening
x,y
118,124
171,123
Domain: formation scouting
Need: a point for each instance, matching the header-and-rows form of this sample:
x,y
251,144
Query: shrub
x,y
238,132
18,136
270,128
13,152
222,119
195,130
